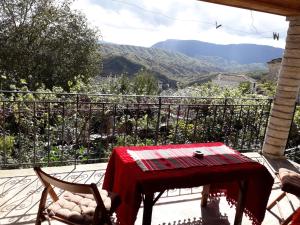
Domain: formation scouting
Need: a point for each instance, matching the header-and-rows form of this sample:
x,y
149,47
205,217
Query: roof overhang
x,y
279,7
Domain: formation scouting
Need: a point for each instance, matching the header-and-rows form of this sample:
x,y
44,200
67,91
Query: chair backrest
x,y
47,180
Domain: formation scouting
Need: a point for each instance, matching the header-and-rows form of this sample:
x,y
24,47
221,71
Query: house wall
x,y
274,70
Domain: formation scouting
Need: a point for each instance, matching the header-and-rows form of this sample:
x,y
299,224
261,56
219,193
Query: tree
x,y
144,83
245,87
45,42
124,85
267,88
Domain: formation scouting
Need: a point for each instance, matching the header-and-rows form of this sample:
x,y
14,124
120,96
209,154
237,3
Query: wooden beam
x,y
283,8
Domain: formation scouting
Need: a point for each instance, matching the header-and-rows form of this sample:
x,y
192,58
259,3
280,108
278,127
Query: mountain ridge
x,y
169,66
231,52
174,66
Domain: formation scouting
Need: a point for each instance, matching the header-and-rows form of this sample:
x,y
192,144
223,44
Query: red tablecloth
x,y
125,177
296,218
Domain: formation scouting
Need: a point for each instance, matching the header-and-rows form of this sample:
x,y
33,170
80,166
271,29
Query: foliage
x,y
57,128
116,85
45,43
257,75
211,90
267,88
145,83
182,131
54,155
294,135
7,146
297,117
129,140
124,85
82,154
245,88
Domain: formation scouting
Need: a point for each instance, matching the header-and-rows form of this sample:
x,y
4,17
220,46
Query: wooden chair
x,y
290,183
80,204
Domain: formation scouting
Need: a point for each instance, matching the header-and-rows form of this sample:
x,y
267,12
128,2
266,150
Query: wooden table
x,y
133,184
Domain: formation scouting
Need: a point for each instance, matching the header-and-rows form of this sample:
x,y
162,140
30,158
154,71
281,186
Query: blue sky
x,y
145,22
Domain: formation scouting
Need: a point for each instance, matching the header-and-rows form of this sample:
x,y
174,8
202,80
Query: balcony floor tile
x,y
20,192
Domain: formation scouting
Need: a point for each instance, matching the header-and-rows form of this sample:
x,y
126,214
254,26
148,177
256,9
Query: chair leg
x,y
40,217
275,202
105,218
38,221
272,204
289,218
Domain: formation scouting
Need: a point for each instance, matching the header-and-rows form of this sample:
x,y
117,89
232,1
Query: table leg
x,y
241,202
205,194
148,206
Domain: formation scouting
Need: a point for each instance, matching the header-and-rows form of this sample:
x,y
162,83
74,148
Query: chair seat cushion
x,y
290,181
80,208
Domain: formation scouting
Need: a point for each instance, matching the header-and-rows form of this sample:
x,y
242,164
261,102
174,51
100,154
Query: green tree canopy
x,y
45,42
144,83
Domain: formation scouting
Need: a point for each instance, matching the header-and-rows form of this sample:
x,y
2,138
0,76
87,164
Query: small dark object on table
x,y
198,154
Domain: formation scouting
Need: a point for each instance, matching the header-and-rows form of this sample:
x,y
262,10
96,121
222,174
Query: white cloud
x,y
144,22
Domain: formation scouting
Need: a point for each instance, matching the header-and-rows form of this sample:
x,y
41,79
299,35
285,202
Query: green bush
x,y
7,146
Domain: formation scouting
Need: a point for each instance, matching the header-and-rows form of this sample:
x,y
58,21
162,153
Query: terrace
x,y
21,191
76,133
61,131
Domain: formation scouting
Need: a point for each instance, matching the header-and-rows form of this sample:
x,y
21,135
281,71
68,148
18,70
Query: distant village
x,y
232,80
235,79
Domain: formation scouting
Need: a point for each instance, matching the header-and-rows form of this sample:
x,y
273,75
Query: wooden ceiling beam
x,y
284,8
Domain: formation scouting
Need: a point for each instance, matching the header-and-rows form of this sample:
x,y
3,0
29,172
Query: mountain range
x,y
240,53
187,62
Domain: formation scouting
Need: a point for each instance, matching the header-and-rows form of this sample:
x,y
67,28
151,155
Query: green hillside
x,y
169,67
233,66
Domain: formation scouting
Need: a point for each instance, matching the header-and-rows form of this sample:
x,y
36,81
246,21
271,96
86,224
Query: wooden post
x,y
286,94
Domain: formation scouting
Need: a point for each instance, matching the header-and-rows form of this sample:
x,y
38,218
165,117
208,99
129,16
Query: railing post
x,y
48,125
114,125
34,133
76,130
4,137
287,143
62,133
158,121
19,134
176,126
223,120
268,115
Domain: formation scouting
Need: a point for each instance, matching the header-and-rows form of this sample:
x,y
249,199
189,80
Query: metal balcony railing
x,y
60,129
